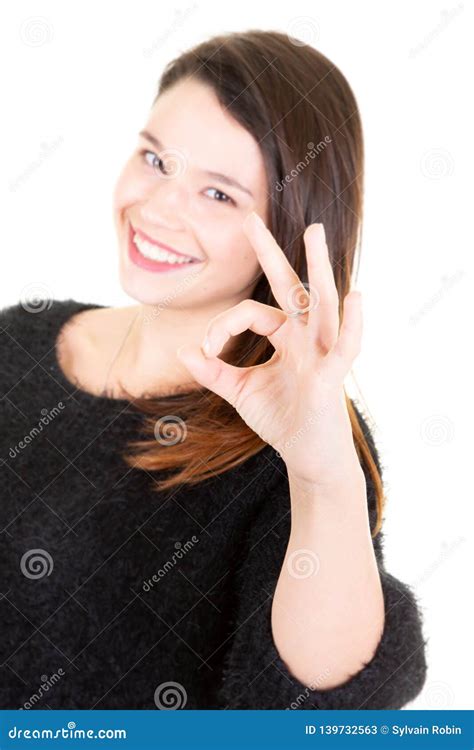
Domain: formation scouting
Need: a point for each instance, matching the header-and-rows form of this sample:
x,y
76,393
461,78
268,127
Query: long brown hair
x,y
301,110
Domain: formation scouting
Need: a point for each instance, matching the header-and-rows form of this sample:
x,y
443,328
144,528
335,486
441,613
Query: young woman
x,y
191,505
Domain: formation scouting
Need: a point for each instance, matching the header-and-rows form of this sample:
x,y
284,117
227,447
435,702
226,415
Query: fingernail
x,y
206,346
255,219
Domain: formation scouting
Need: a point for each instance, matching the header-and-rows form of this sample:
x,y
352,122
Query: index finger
x,y
276,266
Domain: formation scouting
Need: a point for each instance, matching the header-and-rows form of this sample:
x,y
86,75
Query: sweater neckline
x,y
61,313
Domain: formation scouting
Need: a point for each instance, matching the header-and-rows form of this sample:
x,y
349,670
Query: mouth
x,y
155,256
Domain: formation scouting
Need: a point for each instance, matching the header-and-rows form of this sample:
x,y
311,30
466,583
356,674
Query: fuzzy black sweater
x,y
113,596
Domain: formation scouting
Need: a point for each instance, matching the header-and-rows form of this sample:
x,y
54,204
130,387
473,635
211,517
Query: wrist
x,y
341,489
345,474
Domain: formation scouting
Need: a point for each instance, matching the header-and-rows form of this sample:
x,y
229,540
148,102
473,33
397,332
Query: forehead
x,y
189,117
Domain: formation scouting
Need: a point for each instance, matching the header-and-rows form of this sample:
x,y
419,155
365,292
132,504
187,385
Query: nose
x,y
165,204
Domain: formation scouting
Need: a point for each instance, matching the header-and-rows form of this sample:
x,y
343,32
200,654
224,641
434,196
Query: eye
x,y
155,162
226,198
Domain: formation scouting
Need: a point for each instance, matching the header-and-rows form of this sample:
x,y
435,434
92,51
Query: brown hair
x,y
294,101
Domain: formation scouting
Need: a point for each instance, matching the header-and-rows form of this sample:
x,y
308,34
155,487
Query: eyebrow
x,y
217,175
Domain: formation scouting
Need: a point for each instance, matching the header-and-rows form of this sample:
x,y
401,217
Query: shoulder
x,y
19,324
28,330
30,315
96,327
23,322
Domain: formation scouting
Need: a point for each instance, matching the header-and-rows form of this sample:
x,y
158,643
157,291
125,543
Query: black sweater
x,y
130,589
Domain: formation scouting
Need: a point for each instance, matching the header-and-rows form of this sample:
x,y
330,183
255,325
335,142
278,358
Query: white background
x,y
78,82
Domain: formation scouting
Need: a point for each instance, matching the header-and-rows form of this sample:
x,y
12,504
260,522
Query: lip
x,y
147,263
146,237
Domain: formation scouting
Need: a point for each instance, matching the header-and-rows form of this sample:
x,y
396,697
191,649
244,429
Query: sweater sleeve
x,y
256,677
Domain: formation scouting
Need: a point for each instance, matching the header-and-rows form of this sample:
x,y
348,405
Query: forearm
x,y
328,617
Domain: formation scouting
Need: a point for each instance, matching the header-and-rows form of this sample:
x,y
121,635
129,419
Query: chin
x,y
138,291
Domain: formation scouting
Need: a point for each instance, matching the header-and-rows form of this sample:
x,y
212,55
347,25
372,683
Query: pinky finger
x,y
340,358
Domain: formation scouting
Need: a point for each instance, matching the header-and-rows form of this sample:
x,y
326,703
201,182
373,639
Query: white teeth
x,y
157,253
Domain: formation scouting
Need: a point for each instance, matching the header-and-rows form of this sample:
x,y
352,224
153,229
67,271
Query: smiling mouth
x,y
156,252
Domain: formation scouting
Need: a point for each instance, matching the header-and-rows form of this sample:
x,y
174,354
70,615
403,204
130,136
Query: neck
x,y
145,360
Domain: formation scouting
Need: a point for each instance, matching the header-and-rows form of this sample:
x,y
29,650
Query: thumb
x,y
198,365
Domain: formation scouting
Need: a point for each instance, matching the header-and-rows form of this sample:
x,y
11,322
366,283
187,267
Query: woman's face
x,y
166,191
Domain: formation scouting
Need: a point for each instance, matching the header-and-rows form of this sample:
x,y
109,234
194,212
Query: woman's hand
x,y
295,401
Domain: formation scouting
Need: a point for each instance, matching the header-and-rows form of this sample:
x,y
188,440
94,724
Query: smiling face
x,y
194,176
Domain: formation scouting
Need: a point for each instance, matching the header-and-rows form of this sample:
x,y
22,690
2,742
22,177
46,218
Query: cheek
x,y
240,252
129,188
228,248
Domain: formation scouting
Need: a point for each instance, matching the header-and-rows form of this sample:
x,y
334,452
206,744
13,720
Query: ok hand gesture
x,y
295,401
